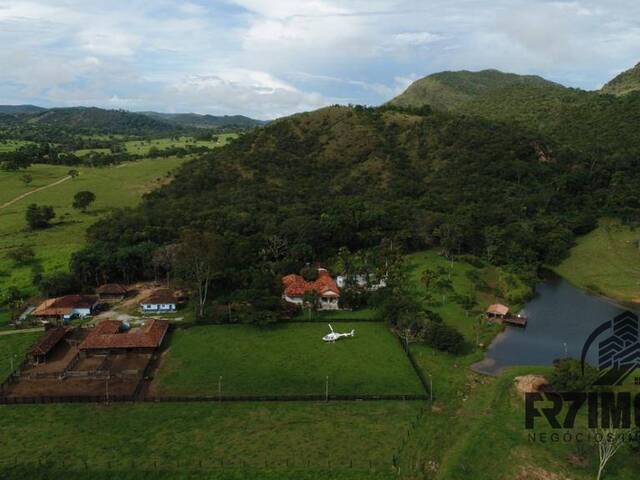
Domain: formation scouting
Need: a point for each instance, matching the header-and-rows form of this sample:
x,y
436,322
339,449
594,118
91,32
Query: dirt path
x,y
24,195
22,330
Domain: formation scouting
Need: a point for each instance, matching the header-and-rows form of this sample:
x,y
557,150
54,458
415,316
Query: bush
x,y
39,217
22,255
567,376
443,337
57,284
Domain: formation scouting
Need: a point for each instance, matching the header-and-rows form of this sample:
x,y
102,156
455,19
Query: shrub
x,y
22,255
567,376
39,217
443,337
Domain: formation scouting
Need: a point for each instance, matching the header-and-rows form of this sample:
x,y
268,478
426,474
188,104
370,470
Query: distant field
x,y
606,261
131,438
285,360
11,145
118,186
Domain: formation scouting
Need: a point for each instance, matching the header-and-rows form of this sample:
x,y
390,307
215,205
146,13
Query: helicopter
x,y
333,336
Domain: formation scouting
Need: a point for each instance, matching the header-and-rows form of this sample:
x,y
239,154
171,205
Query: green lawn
x,y
14,345
118,186
130,438
606,261
285,360
500,286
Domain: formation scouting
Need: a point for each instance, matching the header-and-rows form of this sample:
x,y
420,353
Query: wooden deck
x,y
516,320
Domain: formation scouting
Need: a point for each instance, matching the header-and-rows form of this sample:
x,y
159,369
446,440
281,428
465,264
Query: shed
x,y
162,300
45,344
497,310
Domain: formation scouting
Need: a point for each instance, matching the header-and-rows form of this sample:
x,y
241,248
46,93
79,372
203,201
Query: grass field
x,y
285,360
119,186
180,436
11,145
15,345
606,261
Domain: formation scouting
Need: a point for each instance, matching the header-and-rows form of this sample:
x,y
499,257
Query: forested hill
x,y
597,125
13,109
355,177
452,90
206,121
628,81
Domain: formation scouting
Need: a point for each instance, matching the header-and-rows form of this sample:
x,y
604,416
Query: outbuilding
x,y
112,292
66,307
497,310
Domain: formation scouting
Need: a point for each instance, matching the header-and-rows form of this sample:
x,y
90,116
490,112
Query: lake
x,y
561,317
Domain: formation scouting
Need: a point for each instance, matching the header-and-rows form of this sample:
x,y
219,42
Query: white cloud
x,y
238,56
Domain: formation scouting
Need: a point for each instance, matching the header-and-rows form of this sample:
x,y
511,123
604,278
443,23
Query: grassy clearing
x,y
142,147
15,345
118,186
285,360
11,145
180,436
606,261
498,286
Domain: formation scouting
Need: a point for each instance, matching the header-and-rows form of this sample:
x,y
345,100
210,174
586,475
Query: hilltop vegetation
x,y
452,90
224,122
627,81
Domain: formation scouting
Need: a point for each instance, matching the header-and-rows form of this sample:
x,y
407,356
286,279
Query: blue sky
x,y
268,58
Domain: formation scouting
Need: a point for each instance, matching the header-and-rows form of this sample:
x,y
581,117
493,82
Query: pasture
x,y
14,345
181,437
117,186
287,359
606,261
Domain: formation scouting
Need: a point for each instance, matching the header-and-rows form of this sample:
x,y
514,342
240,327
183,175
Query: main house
x,y
295,288
66,307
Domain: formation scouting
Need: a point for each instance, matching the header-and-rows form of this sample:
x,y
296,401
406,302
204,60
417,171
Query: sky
x,y
269,58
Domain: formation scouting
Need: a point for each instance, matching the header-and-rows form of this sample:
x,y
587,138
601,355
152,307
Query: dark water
x,y
559,314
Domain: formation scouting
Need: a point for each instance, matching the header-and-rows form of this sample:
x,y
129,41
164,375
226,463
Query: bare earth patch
x,y
530,383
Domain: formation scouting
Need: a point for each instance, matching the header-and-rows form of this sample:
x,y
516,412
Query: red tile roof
x,y
324,285
107,335
160,296
64,305
49,340
112,289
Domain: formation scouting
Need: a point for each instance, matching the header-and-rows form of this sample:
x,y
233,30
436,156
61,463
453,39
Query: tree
x,y
608,442
83,199
39,217
14,299
198,260
73,173
427,277
27,178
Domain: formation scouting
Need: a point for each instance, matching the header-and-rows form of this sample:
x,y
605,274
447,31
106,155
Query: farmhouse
x,y
112,292
39,353
295,288
112,336
497,310
162,300
66,307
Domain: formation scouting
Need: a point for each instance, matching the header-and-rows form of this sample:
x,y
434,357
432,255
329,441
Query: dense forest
x,y
357,178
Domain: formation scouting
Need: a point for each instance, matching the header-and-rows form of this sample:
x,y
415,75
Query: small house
x,y
67,307
112,292
497,310
295,288
162,300
362,281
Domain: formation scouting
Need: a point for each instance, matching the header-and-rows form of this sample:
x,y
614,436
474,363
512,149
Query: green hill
x,y
354,177
451,90
206,121
13,109
108,121
628,81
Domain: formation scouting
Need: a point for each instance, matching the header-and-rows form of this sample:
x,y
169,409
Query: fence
x,y
418,371
16,400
